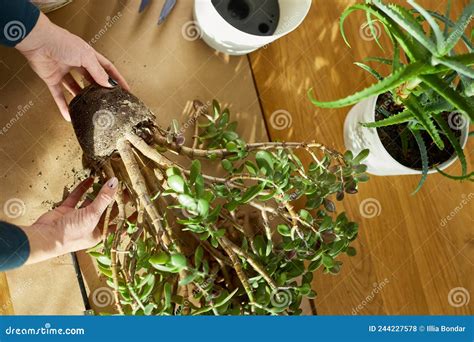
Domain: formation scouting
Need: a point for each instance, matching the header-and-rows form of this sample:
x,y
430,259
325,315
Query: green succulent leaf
x,y
453,140
440,42
405,73
455,65
399,118
424,159
176,183
424,119
159,259
370,70
408,22
265,161
443,89
458,29
195,171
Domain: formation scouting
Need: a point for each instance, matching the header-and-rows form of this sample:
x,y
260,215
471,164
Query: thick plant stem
x,y
236,264
216,254
148,151
254,263
266,225
113,250
222,153
109,173
139,185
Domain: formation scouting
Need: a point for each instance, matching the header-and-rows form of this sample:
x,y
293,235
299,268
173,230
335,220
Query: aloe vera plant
x,y
428,77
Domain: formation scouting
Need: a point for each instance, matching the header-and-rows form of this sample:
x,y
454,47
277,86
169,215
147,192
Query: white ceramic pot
x,y
224,37
379,161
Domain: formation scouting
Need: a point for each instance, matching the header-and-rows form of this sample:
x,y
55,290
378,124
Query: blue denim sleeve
x,y
17,19
14,247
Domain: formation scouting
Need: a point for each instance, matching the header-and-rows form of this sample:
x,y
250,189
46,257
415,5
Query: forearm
x,y
16,21
41,32
45,242
23,245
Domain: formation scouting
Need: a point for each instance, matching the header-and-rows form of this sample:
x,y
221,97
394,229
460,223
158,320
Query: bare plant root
x,y
207,243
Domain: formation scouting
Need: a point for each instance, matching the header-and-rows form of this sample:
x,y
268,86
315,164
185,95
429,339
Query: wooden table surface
x,y
408,261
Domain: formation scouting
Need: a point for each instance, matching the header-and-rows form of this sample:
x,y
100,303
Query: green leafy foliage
x,y
434,78
216,264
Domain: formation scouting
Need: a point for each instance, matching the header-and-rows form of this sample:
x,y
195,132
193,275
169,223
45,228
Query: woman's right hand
x,y
53,52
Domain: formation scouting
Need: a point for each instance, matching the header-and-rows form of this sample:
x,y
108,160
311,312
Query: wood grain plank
x,y
6,305
408,260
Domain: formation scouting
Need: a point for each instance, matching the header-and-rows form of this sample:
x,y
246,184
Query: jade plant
x,y
188,241
431,77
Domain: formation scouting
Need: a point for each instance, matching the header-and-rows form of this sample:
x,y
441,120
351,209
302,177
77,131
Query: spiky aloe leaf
x,y
446,15
373,30
404,140
468,86
458,28
400,76
449,23
424,159
379,60
370,70
455,65
413,50
466,59
399,118
396,57
364,7
408,22
438,107
444,89
454,142
424,119
440,41
469,176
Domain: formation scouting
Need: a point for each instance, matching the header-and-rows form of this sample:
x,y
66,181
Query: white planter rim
x,y
224,37
441,166
254,37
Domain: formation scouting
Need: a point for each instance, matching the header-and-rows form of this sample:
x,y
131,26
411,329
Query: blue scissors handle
x,y
143,5
166,10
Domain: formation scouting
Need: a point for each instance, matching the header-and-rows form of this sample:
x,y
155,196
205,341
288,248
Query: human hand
x,y
67,229
53,52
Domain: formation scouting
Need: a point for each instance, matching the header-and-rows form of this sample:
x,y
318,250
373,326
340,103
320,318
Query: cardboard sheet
x,y
165,65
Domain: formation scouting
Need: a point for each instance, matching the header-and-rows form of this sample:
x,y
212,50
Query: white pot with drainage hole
x,y
237,27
